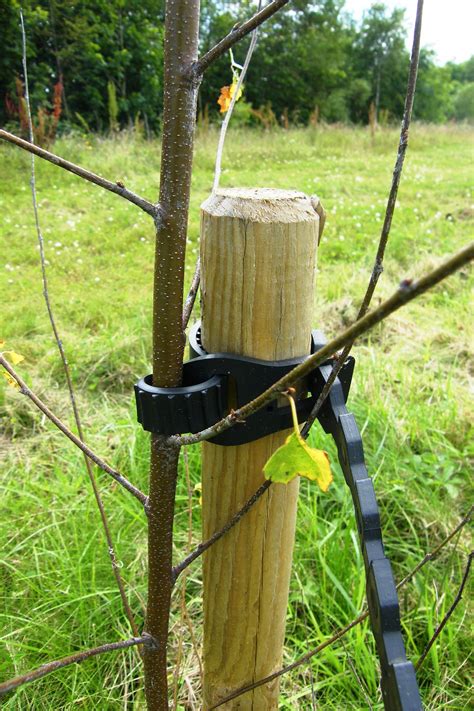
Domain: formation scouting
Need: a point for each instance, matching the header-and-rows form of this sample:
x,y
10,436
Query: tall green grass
x,y
410,397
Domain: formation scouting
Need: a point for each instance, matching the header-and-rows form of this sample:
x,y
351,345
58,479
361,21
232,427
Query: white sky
x,y
448,25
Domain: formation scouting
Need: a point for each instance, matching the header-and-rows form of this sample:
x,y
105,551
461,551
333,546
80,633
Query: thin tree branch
x,y
118,188
407,291
387,223
360,681
435,553
343,630
445,619
236,34
225,123
25,390
50,667
191,297
202,547
62,353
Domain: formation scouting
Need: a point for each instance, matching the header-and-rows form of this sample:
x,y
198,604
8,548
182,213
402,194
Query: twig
x,y
116,188
202,547
361,682
445,619
301,660
50,667
62,353
25,390
407,291
387,223
191,297
225,123
182,602
343,630
434,554
187,617
236,34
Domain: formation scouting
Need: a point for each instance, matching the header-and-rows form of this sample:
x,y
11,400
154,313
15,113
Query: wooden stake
x,y
258,269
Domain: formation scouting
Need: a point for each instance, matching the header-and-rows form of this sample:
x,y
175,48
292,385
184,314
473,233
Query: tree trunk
x,y
180,91
258,257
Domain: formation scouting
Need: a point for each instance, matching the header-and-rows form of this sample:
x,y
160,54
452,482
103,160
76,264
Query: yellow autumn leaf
x,y
11,381
297,458
198,489
13,357
226,95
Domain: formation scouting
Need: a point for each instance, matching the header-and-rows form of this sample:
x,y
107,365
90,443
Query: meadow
x,y
410,395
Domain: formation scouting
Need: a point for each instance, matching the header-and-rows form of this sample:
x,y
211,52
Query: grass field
x,y
410,396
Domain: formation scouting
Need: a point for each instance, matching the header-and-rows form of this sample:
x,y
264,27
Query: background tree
x,y
381,57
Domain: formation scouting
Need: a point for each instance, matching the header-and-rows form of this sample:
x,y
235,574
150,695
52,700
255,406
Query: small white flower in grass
x,y
97,279
57,244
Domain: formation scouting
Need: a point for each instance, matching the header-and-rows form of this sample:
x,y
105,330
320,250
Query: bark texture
x,y
180,93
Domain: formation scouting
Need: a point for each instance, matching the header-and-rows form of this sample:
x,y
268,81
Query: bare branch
x,y
62,353
445,619
117,188
236,34
199,550
25,390
435,553
297,663
191,297
407,291
389,210
50,667
360,681
343,630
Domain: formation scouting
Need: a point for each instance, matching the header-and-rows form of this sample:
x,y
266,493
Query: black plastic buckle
x,y
214,383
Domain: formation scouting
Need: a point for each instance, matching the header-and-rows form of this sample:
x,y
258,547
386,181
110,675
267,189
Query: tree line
x,y
99,65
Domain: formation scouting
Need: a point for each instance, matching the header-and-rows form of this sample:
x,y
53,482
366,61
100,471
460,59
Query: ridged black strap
x,y
398,680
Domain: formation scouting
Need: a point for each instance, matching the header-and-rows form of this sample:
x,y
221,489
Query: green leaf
x,y
296,458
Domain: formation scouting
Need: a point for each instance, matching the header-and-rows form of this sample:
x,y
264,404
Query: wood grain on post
x,y
258,274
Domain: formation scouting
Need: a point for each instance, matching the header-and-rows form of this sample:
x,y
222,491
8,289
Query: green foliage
x,y
464,104
313,55
88,44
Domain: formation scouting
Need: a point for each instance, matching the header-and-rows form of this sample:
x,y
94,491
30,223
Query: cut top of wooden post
x,y
260,205
258,292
